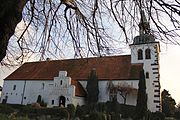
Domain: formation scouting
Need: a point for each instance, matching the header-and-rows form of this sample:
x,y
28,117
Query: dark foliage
x,y
71,109
82,111
168,103
6,109
96,116
141,106
157,116
92,88
177,114
110,108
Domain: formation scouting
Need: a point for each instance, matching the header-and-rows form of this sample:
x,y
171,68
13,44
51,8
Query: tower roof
x,y
144,31
143,39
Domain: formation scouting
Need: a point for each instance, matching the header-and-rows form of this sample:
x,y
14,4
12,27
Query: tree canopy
x,y
141,105
49,28
92,87
168,103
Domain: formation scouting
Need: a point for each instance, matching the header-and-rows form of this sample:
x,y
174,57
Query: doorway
x,y
62,101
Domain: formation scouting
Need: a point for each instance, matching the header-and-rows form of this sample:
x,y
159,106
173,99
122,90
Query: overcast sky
x,y
169,71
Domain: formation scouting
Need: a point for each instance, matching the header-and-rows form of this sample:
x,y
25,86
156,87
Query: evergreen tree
x,y
92,87
168,103
141,106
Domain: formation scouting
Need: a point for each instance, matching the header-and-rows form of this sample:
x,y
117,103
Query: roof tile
x,y
107,68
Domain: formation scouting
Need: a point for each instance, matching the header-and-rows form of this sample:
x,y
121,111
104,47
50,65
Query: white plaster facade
x,y
27,91
151,67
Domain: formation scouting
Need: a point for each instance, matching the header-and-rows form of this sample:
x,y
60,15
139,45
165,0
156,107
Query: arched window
x,y
147,74
14,87
43,86
39,99
148,54
140,54
61,82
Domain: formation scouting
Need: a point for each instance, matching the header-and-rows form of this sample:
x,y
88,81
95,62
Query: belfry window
x,y
148,54
140,54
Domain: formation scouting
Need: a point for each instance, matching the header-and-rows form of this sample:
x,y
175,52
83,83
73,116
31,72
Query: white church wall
x,y
26,92
12,91
104,92
35,88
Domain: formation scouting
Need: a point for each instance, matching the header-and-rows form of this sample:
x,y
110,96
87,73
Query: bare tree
x,y
123,89
97,26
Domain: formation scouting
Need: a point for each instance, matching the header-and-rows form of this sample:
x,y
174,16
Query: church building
x,y
63,82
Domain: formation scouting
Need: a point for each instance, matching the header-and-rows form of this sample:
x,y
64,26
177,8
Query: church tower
x,y
146,50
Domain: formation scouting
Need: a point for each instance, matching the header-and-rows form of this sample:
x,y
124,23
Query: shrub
x,y
71,109
82,111
79,111
157,116
64,114
115,116
101,107
3,116
96,116
6,109
177,115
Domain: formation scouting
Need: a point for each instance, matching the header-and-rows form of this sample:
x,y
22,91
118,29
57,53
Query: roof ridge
x,y
88,58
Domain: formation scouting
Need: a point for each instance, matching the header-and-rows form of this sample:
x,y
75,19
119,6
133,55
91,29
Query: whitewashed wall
x,y
152,67
26,92
104,93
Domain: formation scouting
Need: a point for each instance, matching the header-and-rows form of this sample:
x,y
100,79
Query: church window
x,y
147,74
14,87
43,85
140,54
148,54
52,102
61,82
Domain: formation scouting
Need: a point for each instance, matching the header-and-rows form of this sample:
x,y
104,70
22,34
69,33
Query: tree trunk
x,y
10,16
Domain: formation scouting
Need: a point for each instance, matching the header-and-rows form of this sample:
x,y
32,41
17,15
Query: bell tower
x,y
146,50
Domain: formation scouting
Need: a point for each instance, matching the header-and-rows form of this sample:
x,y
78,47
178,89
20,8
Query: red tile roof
x,y
107,68
79,90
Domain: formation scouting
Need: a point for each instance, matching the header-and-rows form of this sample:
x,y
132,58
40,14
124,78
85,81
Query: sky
x,y
169,70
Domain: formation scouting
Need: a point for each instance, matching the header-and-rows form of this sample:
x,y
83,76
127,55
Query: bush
x,y
6,109
177,115
3,116
101,107
71,109
115,116
157,116
63,114
96,116
82,111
